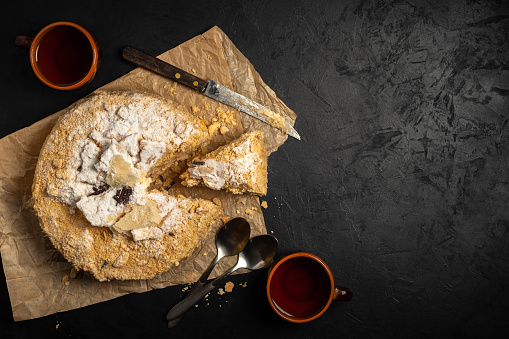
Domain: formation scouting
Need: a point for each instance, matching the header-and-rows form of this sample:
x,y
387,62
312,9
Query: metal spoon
x,y
257,254
230,240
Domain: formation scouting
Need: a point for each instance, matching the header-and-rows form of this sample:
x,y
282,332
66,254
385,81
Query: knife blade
x,y
210,89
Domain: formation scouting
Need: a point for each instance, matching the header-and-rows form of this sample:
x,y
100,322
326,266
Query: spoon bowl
x,y
258,253
230,240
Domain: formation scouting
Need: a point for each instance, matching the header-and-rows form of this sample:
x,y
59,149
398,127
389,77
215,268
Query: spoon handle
x,y
203,279
197,286
191,299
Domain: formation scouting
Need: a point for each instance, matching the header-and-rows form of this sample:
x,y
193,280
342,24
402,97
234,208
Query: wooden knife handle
x,y
160,67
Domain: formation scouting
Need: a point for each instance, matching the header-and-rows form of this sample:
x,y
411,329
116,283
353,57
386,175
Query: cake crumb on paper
x,y
213,128
171,89
223,130
221,291
65,279
244,284
264,204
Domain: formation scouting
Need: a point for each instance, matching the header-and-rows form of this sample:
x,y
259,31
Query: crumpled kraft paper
x,y
37,275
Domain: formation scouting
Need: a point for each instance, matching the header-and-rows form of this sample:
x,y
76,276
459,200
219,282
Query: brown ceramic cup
x,y
63,55
300,287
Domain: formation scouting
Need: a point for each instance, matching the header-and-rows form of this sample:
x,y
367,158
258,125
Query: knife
x,y
209,88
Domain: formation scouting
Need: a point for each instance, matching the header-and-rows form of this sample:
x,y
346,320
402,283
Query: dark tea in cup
x,y
300,287
63,55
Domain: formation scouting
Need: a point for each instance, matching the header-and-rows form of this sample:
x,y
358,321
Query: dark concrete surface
x,y
401,181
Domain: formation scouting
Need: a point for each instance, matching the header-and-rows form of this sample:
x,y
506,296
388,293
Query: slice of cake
x,y
239,166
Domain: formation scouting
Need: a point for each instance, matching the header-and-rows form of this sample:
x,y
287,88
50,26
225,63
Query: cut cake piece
x,y
239,166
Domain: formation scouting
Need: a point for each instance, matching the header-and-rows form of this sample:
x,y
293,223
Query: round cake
x,y
101,186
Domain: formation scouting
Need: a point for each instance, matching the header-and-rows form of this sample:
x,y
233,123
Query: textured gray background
x,y
400,182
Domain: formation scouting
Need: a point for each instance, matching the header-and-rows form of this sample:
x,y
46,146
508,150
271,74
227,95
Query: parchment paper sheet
x,y
34,269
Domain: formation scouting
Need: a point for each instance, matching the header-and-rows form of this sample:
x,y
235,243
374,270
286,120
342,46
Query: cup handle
x,y
342,293
23,41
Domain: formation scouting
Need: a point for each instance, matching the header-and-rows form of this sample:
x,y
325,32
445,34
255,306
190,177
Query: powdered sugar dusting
x,y
211,172
102,209
133,127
